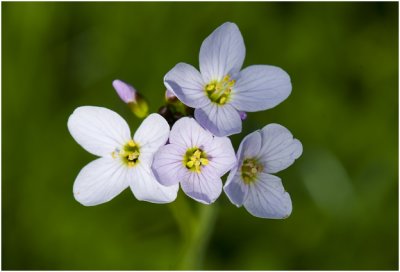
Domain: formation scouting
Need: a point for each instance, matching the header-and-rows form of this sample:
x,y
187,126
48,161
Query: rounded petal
x,y
267,198
100,181
235,188
187,84
222,53
98,130
151,135
250,146
221,155
168,165
204,187
145,187
279,149
260,87
219,120
187,133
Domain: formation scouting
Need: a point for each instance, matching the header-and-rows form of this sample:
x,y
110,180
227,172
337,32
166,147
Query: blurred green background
x,y
343,62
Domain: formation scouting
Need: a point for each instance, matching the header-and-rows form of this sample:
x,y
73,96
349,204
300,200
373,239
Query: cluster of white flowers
x,y
195,152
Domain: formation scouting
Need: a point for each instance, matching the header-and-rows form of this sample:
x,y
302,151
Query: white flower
x,y
220,91
125,161
250,182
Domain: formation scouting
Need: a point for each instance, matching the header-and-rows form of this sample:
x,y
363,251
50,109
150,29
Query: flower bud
x,y
170,96
125,91
243,115
132,98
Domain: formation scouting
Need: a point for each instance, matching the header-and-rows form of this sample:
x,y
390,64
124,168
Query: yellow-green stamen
x,y
250,170
129,153
219,92
194,159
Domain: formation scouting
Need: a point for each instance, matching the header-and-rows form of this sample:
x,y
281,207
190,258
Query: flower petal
x,y
204,187
98,130
168,165
260,87
267,198
187,84
235,188
187,133
100,181
146,188
279,149
221,155
250,146
219,120
151,135
222,53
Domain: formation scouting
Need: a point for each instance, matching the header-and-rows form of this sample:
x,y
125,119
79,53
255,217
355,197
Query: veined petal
x,y
279,149
146,188
205,187
168,165
235,188
267,198
98,130
221,155
219,120
151,135
100,181
187,84
260,87
222,52
187,133
250,146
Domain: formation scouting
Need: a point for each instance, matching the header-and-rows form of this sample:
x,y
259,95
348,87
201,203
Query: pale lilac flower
x,y
196,159
250,182
220,90
125,161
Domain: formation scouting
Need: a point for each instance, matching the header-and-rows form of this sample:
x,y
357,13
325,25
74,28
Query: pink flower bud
x,y
125,91
243,115
170,96
132,98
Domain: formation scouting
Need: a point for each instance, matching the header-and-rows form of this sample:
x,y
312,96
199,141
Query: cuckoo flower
x,y
125,161
196,159
220,90
250,182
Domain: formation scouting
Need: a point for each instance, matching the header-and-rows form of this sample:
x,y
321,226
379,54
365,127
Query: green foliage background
x,y
343,62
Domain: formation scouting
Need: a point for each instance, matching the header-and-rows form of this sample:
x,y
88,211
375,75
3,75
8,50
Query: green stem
x,y
196,228
183,215
194,250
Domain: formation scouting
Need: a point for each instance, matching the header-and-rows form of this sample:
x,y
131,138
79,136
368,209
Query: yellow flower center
x,y
194,159
250,170
219,92
129,153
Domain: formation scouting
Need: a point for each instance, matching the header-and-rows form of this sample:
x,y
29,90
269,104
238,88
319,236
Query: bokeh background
x,y
343,62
